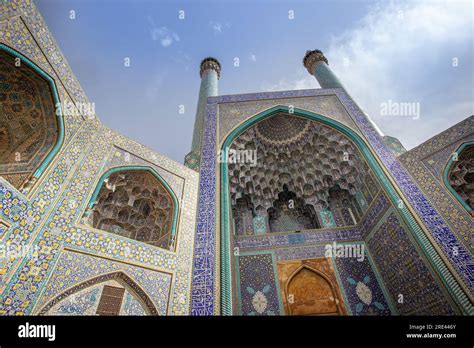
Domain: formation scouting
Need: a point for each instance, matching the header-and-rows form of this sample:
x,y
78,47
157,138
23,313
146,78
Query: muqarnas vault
x,y
94,223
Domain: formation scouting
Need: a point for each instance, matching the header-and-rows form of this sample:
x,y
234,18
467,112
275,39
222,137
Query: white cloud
x,y
384,57
163,34
253,57
299,80
218,27
394,53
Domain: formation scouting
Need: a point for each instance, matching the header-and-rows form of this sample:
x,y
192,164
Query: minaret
x,y
210,73
317,65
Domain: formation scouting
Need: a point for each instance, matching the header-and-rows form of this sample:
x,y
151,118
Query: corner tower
x,y
210,73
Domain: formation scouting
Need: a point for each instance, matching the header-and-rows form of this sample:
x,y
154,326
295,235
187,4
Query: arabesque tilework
x,y
361,287
409,282
74,268
205,272
460,257
426,164
258,287
43,226
46,220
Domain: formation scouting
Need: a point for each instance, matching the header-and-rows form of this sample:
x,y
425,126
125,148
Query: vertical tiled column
x,y
210,72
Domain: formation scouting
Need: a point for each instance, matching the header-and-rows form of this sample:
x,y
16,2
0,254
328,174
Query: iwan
x,y
33,331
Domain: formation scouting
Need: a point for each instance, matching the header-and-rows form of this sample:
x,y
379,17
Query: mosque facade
x,y
288,203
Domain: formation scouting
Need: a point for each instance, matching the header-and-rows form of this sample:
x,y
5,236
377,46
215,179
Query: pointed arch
x,y
28,172
320,274
119,276
144,169
362,146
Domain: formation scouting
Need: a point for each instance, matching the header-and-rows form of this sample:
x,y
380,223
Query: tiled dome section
x,y
281,129
28,124
316,166
134,204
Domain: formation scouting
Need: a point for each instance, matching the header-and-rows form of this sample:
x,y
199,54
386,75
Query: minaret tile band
x,y
210,64
210,72
317,65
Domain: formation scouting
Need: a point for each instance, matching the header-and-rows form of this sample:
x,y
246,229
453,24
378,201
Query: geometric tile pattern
x,y
121,156
22,32
426,164
83,303
204,285
433,158
325,168
373,215
461,174
134,204
205,232
47,220
28,125
460,258
404,273
73,268
316,236
362,290
233,113
258,293
61,231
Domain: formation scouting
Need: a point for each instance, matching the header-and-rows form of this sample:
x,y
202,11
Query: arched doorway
x,y
311,293
108,294
309,287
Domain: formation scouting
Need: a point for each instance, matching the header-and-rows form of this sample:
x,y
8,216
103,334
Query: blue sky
x,y
417,52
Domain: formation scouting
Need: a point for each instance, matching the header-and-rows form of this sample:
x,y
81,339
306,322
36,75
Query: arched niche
x,y
31,122
296,174
459,175
310,292
353,145
290,213
135,202
100,296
